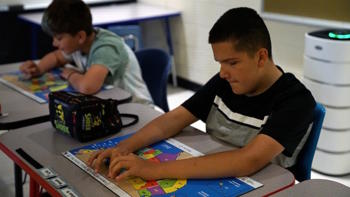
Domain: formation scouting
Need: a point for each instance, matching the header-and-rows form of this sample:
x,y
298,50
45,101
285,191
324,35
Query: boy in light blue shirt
x,y
99,57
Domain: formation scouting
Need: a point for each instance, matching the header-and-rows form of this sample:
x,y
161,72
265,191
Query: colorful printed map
x,y
36,88
161,152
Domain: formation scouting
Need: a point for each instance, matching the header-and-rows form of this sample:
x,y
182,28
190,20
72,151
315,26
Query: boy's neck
x,y
270,76
85,49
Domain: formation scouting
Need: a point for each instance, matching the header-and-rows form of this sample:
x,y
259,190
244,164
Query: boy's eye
x,y
58,37
232,63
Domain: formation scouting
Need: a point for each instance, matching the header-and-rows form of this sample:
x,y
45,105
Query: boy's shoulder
x,y
104,36
287,82
290,88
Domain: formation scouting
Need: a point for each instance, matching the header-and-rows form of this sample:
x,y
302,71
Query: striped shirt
x,y
283,112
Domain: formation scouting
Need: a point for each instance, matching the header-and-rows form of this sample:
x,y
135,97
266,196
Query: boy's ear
x,y
81,36
263,56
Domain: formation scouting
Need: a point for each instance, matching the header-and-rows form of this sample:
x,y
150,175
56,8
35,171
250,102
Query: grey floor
x,y
175,97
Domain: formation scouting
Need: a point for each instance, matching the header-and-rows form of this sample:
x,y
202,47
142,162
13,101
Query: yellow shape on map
x,y
180,183
34,87
177,185
58,88
85,151
137,182
147,156
49,83
169,189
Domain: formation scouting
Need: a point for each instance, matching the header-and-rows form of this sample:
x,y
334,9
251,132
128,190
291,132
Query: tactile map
x,y
36,88
163,151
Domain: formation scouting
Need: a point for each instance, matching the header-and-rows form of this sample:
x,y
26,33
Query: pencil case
x,y
85,117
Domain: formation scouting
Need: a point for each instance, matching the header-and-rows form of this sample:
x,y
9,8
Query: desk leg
x,y
18,181
33,188
34,42
171,51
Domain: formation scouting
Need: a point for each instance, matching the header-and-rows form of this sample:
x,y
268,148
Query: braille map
x,y
161,152
36,88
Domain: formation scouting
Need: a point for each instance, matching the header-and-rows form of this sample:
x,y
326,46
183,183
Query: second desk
x,y
23,111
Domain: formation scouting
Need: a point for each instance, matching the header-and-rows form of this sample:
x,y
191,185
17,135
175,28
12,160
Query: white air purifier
x,y
327,75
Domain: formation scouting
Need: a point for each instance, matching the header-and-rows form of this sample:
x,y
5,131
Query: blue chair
x,y
302,168
155,66
131,34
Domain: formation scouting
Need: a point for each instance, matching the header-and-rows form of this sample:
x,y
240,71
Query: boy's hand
x,y
131,165
67,72
98,158
30,69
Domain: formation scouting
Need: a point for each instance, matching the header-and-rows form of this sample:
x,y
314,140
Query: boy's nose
x,y
223,72
54,43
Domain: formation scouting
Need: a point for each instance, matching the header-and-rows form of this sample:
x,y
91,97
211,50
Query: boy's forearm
x,y
235,163
50,61
162,127
149,134
225,164
77,81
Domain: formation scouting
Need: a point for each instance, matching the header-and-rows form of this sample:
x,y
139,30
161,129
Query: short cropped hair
x,y
67,16
245,28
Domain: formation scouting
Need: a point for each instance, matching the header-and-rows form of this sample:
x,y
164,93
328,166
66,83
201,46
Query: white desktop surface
x,y
116,13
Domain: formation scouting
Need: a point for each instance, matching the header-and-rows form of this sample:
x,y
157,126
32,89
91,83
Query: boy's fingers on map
x,y
118,169
25,65
125,166
93,157
33,69
25,69
115,159
24,76
113,162
100,159
116,153
123,175
30,70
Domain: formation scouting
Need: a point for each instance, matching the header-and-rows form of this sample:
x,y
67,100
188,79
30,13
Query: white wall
x,y
193,55
288,44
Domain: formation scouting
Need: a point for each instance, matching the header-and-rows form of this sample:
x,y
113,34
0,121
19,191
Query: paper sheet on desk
x,y
161,152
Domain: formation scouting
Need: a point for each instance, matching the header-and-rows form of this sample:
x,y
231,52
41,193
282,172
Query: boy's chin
x,y
236,91
67,52
239,91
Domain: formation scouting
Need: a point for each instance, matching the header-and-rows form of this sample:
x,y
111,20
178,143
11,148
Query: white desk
x,y
116,14
317,188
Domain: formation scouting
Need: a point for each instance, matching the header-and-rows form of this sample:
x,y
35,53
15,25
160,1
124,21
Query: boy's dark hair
x,y
67,16
245,28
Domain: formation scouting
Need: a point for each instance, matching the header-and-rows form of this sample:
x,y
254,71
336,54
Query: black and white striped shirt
x,y
283,112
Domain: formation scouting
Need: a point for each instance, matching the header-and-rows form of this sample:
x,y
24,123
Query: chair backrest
x,y
131,34
155,66
302,168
